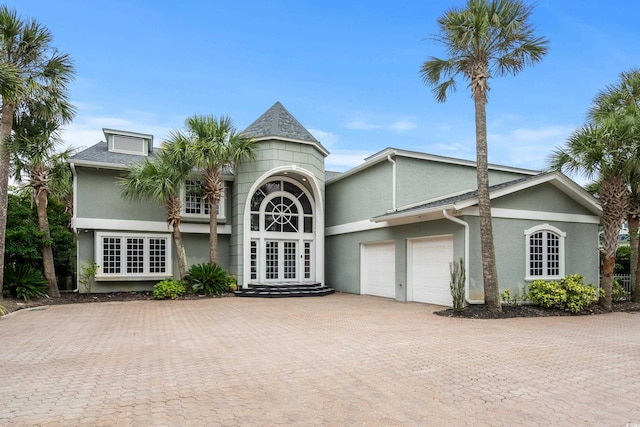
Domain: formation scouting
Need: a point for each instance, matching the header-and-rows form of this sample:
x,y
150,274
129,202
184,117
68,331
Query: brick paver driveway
x,y
336,360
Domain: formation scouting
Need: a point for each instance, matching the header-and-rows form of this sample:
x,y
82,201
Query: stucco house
x,y
389,227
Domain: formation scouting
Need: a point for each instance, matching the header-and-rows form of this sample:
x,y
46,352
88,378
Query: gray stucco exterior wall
x,y
270,155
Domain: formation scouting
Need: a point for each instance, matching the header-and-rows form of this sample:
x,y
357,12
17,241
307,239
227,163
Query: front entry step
x,y
284,290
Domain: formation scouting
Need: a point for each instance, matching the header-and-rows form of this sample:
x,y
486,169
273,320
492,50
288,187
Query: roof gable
x,y
468,199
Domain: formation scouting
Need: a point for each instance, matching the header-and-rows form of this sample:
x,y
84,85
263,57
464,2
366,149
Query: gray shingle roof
x,y
330,174
278,122
100,153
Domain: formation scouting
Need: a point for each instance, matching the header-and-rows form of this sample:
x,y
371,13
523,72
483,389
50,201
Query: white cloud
x,y
361,125
328,139
402,125
342,160
524,147
397,126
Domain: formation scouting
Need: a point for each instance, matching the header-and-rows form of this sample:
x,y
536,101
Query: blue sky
x,y
347,70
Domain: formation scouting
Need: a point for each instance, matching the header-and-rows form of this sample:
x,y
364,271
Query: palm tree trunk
x,y
47,251
6,122
634,222
614,202
489,273
212,188
182,255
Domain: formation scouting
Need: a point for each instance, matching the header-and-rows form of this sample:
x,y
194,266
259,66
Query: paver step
x,y
279,290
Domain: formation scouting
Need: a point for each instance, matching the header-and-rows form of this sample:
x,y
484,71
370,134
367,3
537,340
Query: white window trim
x,y
300,237
544,227
222,211
100,276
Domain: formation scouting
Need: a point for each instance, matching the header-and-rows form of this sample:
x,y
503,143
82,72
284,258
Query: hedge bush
x,y
570,294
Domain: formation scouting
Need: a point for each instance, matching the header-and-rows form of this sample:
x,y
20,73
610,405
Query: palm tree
x,y
604,152
623,99
159,180
215,145
30,68
34,157
486,38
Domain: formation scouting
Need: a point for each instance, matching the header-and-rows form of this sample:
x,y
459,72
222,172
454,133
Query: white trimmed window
x,y
545,252
128,256
193,203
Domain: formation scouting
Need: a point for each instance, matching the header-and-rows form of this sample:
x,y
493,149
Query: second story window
x,y
194,204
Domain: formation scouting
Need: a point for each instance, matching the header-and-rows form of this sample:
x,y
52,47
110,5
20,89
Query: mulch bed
x,y
12,304
508,312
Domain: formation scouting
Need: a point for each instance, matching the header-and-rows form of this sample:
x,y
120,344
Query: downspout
x,y
393,183
466,255
73,219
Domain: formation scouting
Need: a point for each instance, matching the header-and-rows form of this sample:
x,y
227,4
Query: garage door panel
x,y
378,269
429,276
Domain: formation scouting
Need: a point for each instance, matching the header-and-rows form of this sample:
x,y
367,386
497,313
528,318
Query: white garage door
x,y
378,269
428,269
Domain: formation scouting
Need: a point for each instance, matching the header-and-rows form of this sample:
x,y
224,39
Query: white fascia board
x,y
462,162
382,156
353,227
414,213
108,131
317,145
535,215
133,225
98,165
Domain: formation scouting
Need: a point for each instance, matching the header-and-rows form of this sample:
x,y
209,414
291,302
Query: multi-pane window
x,y
307,260
545,252
132,256
290,212
254,260
194,201
271,259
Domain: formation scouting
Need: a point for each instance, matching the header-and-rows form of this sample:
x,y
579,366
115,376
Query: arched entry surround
x,y
314,246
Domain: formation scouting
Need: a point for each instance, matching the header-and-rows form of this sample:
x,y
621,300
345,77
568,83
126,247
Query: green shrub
x,y
25,282
208,279
570,294
87,274
547,294
510,299
458,276
579,295
619,293
3,310
169,289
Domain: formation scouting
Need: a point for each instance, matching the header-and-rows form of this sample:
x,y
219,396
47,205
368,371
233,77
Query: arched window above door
x,y
281,206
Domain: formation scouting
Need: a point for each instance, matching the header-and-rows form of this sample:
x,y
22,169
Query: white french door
x,y
281,260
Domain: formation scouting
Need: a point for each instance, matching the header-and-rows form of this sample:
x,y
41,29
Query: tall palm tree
x,y
34,158
215,145
159,180
484,39
603,152
623,99
30,68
